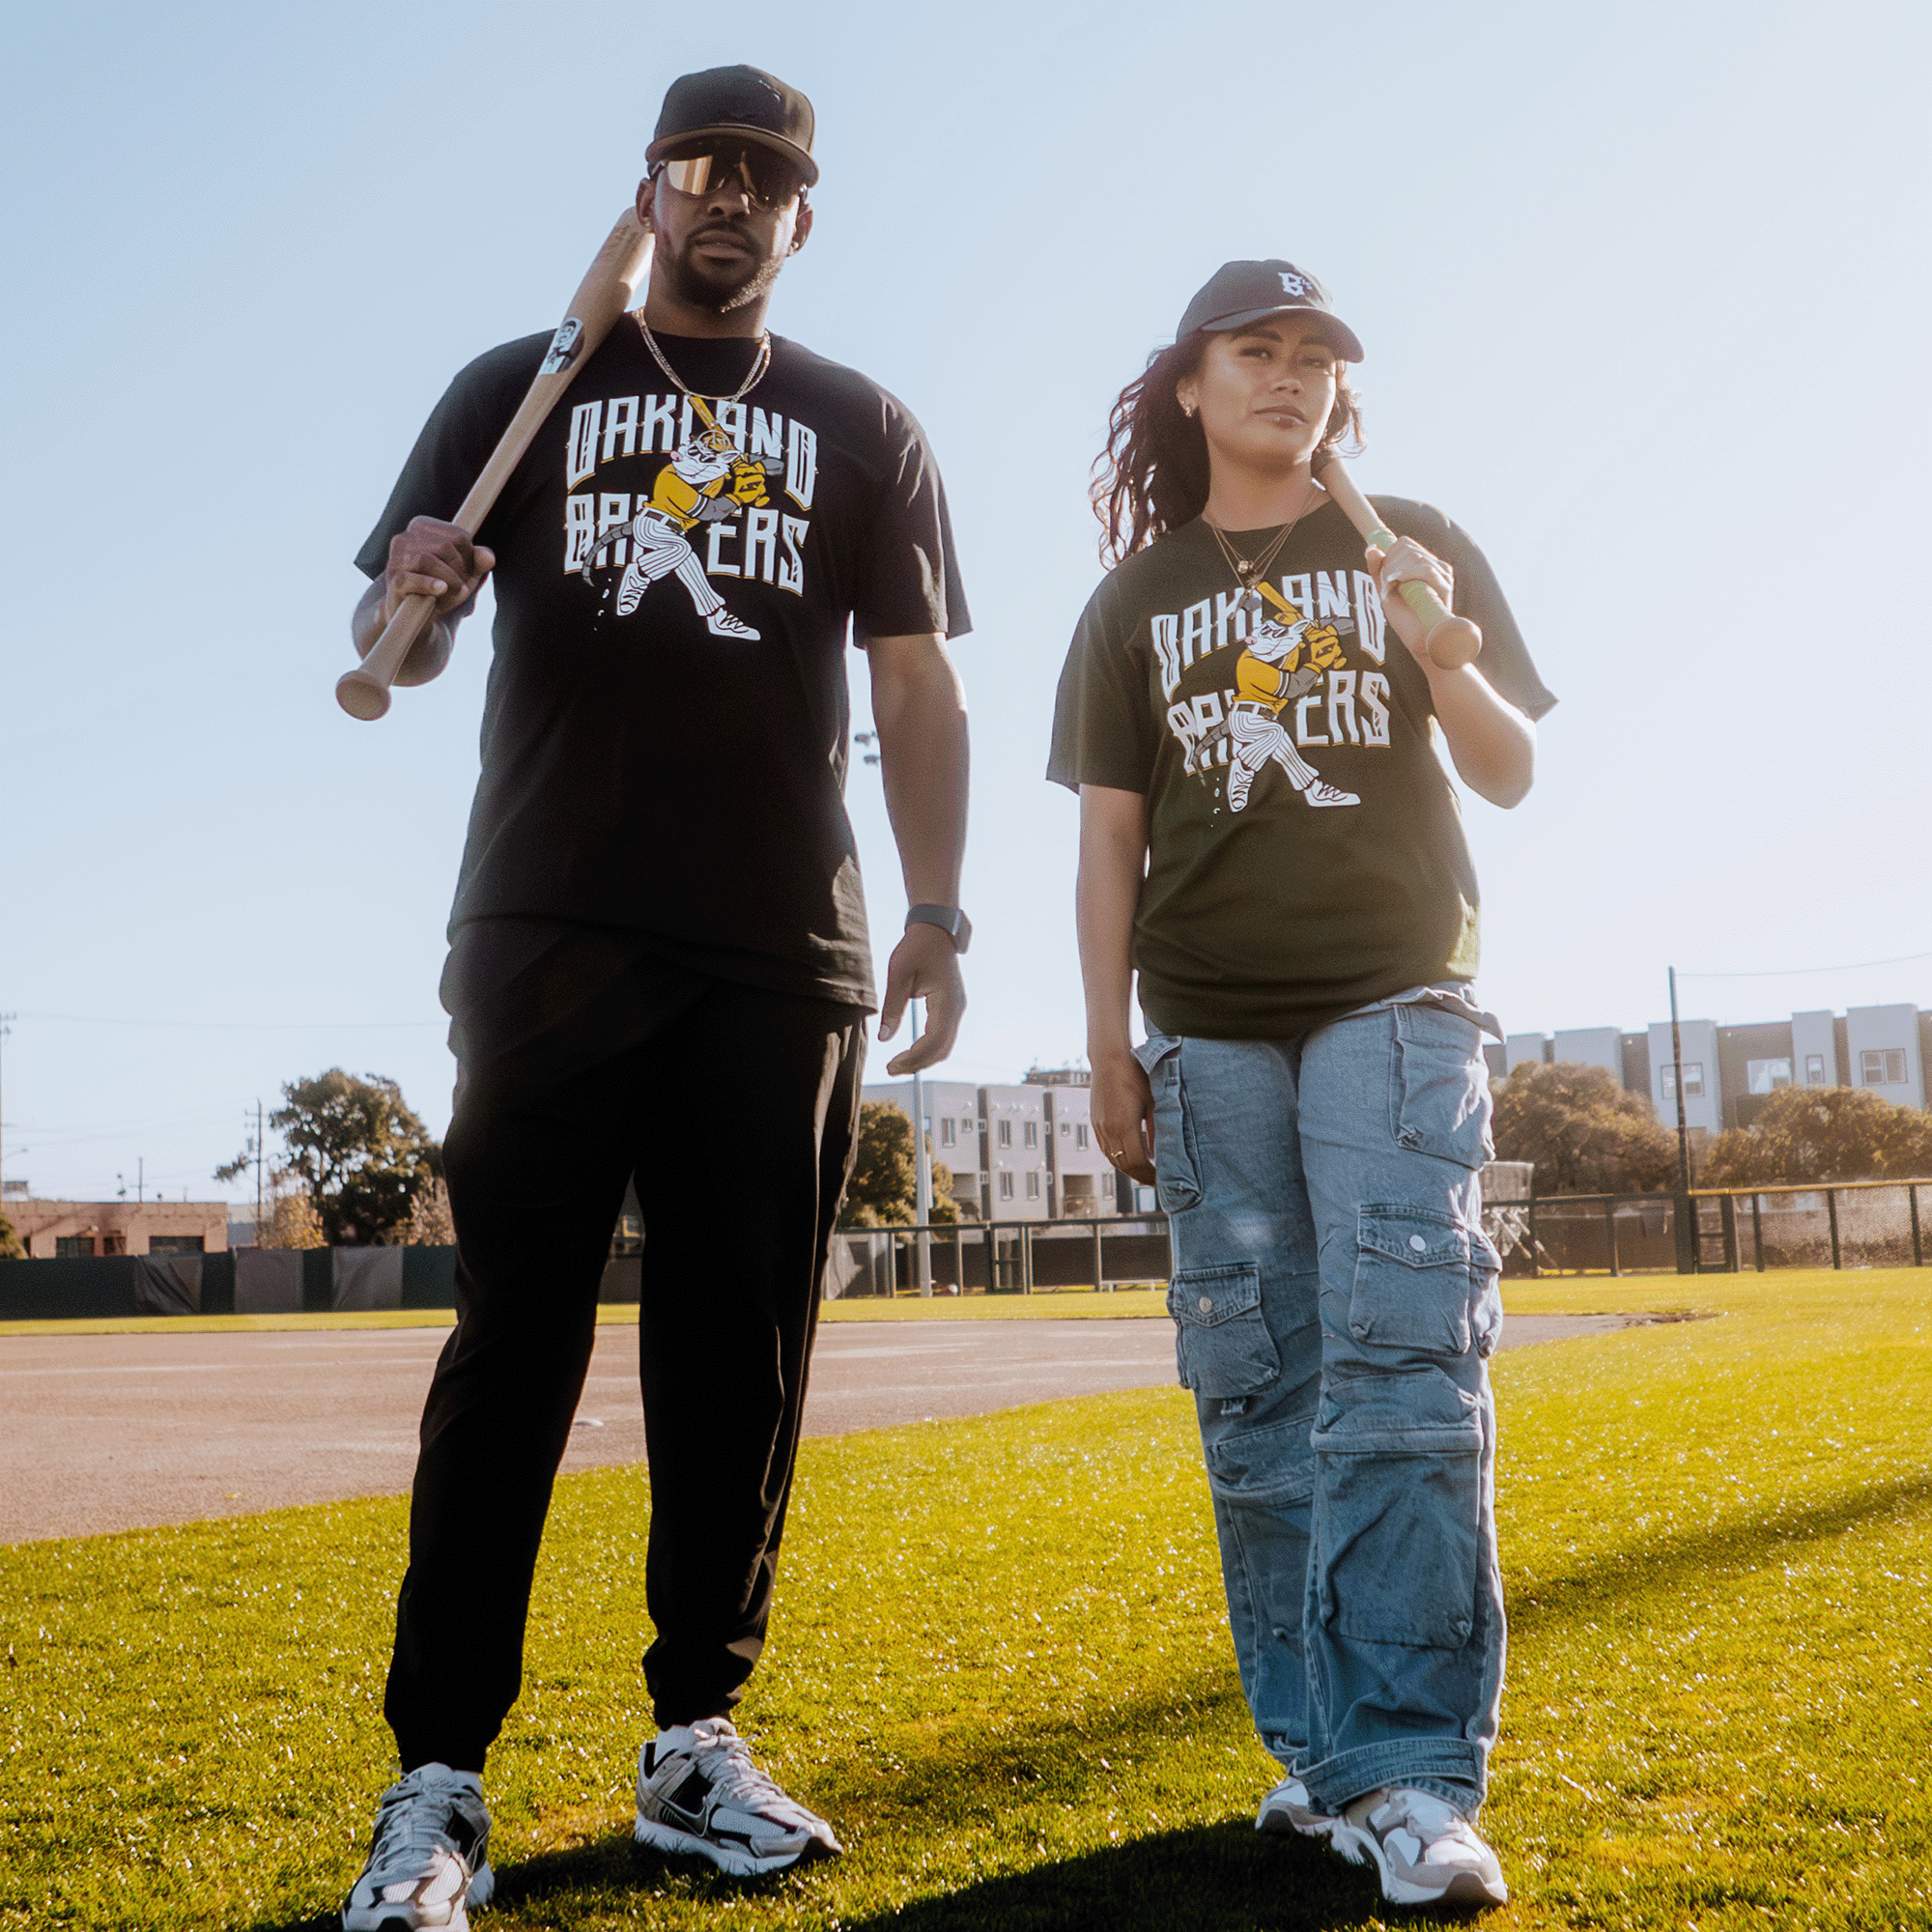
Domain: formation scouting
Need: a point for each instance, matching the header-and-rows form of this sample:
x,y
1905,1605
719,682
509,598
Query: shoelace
x,y
412,1824
727,1761
1429,1817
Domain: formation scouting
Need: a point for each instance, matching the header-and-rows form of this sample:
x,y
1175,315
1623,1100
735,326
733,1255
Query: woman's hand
x,y
1122,1113
1409,563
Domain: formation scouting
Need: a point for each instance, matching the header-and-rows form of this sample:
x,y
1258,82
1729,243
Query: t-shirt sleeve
x,y
1103,733
908,581
1505,660
456,442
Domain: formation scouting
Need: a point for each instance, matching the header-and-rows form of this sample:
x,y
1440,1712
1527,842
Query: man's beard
x,y
721,290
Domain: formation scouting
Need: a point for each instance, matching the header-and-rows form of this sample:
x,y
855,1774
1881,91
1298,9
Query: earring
x,y
1188,410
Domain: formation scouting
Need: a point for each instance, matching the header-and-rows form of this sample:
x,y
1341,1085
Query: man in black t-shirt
x,y
659,964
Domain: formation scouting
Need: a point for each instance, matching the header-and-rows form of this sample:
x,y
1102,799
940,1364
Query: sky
x,y
1642,290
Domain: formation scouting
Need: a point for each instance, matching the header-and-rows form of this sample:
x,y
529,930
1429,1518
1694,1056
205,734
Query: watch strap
x,y
949,920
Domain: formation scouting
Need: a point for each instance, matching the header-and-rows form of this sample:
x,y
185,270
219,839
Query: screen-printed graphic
x,y
1294,686
708,513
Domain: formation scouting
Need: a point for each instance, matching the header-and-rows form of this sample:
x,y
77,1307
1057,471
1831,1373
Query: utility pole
x,y
257,1174
140,1179
1685,1226
5,1032
921,1170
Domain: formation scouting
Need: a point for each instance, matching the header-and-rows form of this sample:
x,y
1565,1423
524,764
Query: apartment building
x,y
1023,1152
1731,1071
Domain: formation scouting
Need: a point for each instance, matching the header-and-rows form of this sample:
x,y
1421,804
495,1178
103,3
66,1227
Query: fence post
x,y
1100,1260
1757,1228
1026,1257
1831,1214
1610,1231
1727,1223
1918,1251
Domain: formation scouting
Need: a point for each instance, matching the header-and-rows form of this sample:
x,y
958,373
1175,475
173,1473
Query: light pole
x,y
921,1168
5,1032
1687,1233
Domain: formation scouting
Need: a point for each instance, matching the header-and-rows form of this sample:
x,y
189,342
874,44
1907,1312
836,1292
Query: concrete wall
x,y
1521,1046
1592,1046
1017,1169
1815,1037
1703,1109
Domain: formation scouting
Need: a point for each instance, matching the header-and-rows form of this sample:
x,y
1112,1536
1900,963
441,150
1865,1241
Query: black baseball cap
x,y
744,102
1238,293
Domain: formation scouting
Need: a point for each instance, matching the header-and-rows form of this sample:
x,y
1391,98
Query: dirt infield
x,y
102,1433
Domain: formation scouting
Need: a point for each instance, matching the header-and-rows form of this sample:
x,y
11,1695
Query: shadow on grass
x,y
1203,1878
1726,1549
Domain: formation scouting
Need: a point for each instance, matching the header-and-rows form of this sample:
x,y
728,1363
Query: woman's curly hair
x,y
1152,476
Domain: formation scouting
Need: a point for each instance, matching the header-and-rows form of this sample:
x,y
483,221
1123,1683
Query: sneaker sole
x,y
1465,1889
740,1864
482,1889
1282,1822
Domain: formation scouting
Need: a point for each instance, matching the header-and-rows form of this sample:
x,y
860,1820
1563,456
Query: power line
x,y
233,1026
1804,972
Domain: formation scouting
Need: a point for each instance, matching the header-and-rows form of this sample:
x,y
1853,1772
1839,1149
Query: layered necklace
x,y
760,363
1248,574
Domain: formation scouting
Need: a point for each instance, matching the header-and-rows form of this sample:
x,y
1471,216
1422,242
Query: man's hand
x,y
433,559
923,966
1122,1111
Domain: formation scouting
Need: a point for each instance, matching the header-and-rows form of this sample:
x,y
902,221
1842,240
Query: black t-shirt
x,y
664,734
1306,851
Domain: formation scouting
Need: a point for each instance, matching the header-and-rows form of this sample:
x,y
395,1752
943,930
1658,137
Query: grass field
x,y
1001,1666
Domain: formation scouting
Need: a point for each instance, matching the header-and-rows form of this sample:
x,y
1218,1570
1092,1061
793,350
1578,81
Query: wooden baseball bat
x,y
604,294
1452,641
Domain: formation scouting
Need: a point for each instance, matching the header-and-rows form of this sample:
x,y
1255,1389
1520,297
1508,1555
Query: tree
x,y
1822,1134
884,1189
1585,1133
11,1249
360,1156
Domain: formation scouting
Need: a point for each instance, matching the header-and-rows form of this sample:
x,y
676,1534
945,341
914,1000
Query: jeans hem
x,y
1449,1768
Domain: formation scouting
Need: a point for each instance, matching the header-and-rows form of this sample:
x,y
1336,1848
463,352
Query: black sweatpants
x,y
582,1060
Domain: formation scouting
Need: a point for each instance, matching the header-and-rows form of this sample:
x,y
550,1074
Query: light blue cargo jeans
x,y
1336,1303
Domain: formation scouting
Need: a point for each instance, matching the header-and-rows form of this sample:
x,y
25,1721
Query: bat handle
x,y
1452,641
364,692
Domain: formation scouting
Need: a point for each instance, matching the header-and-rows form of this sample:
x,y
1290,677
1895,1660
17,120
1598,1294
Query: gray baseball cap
x,y
1238,293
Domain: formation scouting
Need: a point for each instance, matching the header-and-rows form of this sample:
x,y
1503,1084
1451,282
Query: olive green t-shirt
x,y
1306,846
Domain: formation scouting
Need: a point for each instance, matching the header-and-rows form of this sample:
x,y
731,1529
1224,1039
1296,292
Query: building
x,y
1731,1071
1024,1153
52,1230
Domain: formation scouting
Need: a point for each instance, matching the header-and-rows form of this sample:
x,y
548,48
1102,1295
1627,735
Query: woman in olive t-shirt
x,y
1268,838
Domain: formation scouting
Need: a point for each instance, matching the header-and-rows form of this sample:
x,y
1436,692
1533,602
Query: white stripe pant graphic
x,y
658,548
1257,735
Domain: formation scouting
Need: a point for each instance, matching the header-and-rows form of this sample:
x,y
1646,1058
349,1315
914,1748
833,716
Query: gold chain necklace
x,y
760,363
1249,574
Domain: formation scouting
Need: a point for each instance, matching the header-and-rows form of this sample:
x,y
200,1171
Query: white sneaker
x,y
1322,793
429,1860
698,1791
722,624
1286,1809
1425,1850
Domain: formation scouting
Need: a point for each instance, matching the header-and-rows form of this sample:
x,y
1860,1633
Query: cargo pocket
x,y
1399,1510
1176,1174
1440,1087
1221,1342
1424,1280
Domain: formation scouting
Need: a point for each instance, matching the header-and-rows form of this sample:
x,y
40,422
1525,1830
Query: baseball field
x,y
1000,1666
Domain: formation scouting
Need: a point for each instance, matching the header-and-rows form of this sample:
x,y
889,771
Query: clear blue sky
x,y
1643,290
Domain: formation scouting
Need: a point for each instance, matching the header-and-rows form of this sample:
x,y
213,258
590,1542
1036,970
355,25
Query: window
x,y
1767,1076
946,1133
1882,1066
1814,1069
71,1247
1032,1188
1006,1183
1033,1133
1693,1080
177,1244
1004,1136
1080,1135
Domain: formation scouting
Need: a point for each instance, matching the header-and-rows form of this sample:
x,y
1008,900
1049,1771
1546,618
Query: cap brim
x,y
736,130
1341,339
